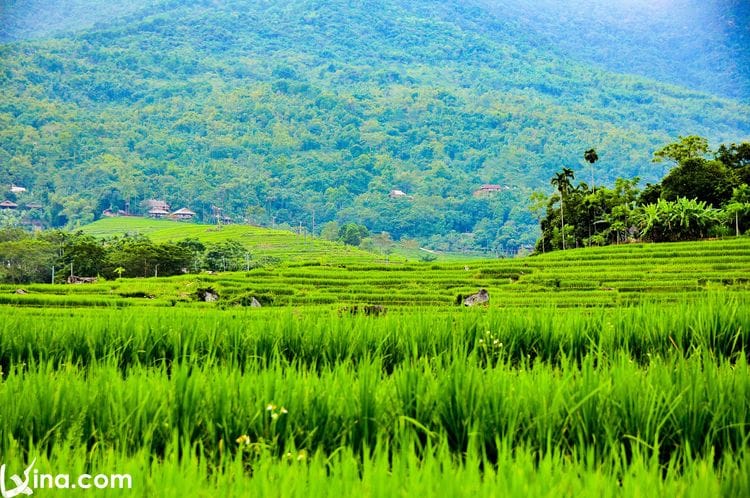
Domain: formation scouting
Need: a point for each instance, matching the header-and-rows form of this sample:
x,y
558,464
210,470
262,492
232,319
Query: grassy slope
x,y
260,241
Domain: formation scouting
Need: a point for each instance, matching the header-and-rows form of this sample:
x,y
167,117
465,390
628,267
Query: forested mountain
x,y
289,111
701,44
42,18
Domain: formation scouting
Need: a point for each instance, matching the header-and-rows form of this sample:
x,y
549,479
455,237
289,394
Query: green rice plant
x,y
572,390
718,325
677,407
387,472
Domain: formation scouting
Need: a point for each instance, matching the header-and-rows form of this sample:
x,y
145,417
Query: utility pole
x,y
53,275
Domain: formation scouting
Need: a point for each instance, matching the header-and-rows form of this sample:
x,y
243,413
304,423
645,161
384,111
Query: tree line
x,y
54,255
704,194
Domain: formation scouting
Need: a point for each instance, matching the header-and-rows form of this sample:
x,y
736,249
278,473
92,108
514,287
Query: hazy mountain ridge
x,y
701,44
24,19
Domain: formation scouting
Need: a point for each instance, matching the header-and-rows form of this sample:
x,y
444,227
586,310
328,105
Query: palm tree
x,y
561,181
740,203
591,157
733,210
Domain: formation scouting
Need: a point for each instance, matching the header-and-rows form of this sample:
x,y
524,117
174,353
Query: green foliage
x,y
26,260
142,258
593,216
683,219
228,255
737,158
697,198
688,148
650,194
32,257
10,219
737,211
12,233
734,156
561,181
352,234
330,231
87,255
708,181
430,100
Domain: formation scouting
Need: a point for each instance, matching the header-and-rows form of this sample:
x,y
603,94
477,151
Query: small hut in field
x,y
157,213
183,214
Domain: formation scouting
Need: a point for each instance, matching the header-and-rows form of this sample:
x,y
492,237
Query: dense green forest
x,y
308,112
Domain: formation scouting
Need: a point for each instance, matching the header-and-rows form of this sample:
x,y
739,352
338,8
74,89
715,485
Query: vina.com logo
x,y
33,480
22,486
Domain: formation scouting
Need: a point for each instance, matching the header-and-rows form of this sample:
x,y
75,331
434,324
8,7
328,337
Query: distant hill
x,y
701,44
285,112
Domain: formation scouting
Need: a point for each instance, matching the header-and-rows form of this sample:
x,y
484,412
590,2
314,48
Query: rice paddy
x,y
620,371
611,276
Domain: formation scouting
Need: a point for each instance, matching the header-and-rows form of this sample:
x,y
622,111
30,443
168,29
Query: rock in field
x,y
481,297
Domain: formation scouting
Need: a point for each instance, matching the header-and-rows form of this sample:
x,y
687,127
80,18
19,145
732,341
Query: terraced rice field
x,y
619,371
611,276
